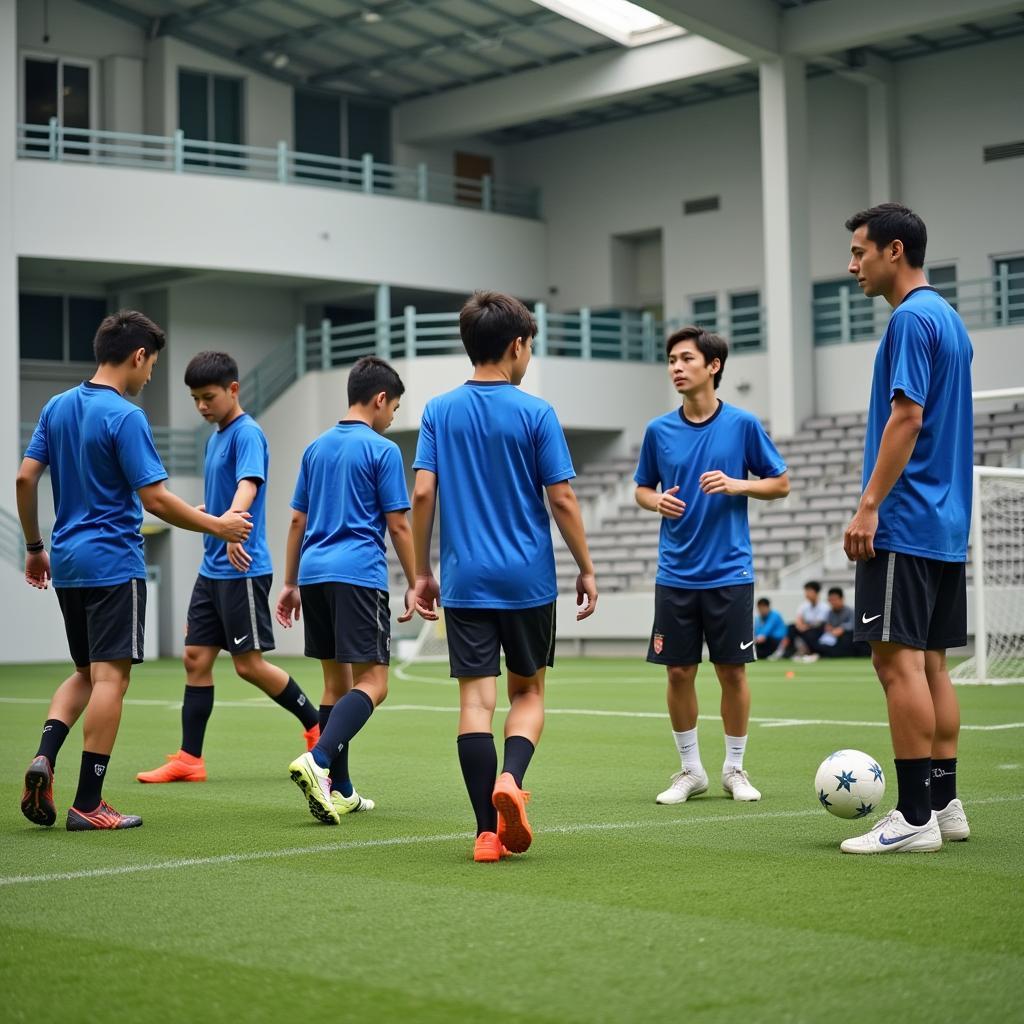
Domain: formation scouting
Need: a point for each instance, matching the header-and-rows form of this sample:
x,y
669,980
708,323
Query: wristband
x,y
35,547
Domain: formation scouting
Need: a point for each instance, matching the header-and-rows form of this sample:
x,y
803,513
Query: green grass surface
x,y
232,903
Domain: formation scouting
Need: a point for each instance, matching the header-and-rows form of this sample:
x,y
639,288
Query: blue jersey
x,y
238,452
771,625
100,451
494,449
926,354
709,546
350,477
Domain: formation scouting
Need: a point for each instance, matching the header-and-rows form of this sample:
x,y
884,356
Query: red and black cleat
x,y
37,799
104,817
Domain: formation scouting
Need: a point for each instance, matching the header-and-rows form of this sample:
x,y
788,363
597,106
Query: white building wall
x,y
76,30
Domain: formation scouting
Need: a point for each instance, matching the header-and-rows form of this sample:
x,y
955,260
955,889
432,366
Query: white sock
x,y
689,751
735,746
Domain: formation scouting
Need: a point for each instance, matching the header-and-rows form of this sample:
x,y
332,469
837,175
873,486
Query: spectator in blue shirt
x,y
769,628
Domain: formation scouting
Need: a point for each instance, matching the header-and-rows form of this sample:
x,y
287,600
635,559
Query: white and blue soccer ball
x,y
850,784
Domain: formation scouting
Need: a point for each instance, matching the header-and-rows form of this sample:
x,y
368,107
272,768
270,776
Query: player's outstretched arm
x,y
162,503
401,539
37,561
424,502
766,489
565,510
289,601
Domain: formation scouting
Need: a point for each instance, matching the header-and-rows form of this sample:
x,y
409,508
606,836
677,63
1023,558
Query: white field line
x,y
261,703
368,844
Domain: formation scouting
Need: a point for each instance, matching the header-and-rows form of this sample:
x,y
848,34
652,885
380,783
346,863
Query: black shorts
x,y
231,614
906,599
684,619
346,623
476,636
104,623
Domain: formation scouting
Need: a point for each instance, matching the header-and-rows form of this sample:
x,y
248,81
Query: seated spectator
x,y
769,629
836,640
810,621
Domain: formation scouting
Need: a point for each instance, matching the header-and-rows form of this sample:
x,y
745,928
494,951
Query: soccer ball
x,y
849,784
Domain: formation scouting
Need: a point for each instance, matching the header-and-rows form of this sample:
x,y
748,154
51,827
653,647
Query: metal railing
x,y
280,163
996,301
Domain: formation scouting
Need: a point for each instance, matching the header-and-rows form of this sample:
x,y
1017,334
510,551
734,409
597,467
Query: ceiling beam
x,y
750,27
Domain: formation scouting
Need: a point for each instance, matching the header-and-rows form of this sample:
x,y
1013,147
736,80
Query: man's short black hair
x,y
813,585
489,322
211,368
710,346
889,221
763,600
835,591
125,332
370,376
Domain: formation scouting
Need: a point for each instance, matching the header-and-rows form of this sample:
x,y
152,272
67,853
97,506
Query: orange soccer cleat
x,y
37,798
104,817
514,830
311,736
488,849
180,767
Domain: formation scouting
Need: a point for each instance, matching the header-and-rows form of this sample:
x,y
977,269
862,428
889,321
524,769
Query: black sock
x,y
195,713
340,779
292,699
324,713
90,781
479,761
350,714
943,782
913,777
55,732
518,751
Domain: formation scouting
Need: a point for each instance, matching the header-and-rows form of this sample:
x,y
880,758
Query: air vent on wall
x,y
1005,151
702,205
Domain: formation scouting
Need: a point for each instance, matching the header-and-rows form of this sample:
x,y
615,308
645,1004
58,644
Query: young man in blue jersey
x,y
909,535
490,452
229,608
104,469
351,487
701,456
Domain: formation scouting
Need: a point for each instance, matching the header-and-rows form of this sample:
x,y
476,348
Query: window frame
x,y
65,297
243,104
60,60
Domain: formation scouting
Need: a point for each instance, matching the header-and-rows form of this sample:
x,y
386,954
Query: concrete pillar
x,y
10,370
883,141
787,276
382,315
122,94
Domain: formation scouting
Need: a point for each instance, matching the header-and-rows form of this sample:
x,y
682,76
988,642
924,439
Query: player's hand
x,y
586,591
289,605
427,596
37,570
669,505
239,557
859,539
410,605
234,526
716,482
200,508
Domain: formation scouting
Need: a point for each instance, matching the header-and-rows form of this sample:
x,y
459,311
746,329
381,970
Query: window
x,y
704,312
317,123
209,110
55,87
831,324
1009,290
943,280
745,321
59,328
319,120
369,131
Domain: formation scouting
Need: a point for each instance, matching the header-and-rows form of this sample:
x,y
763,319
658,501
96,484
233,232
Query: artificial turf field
x,y
232,903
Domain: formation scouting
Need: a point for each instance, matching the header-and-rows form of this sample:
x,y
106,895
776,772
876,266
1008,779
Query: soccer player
x,y
909,534
351,486
103,463
489,452
700,455
229,609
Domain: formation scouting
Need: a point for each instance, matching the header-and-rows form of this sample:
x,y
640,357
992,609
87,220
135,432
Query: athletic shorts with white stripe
x,y
104,623
346,623
231,614
909,600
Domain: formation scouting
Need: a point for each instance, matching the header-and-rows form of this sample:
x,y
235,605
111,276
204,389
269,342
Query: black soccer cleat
x,y
104,817
37,799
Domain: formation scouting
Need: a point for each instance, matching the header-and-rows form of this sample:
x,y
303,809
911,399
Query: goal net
x,y
997,564
431,645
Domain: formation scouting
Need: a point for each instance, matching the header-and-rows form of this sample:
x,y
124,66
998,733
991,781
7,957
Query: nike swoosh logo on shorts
x,y
866,621
749,643
239,639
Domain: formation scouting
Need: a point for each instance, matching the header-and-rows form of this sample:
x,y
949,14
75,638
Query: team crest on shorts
x,y
658,643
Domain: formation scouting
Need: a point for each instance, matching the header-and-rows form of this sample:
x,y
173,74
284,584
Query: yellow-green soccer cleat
x,y
351,804
315,783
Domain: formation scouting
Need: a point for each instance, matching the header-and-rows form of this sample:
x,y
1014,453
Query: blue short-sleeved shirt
x,y
100,451
709,546
238,452
926,354
772,625
350,477
494,449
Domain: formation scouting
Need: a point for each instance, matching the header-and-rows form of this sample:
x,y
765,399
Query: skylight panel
x,y
626,23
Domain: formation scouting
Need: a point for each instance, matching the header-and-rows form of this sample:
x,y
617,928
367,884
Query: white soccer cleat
x,y
351,804
684,784
893,835
953,822
736,783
